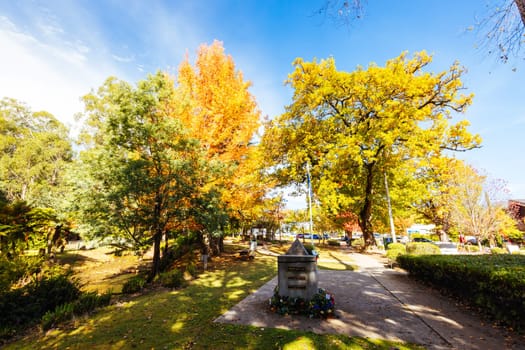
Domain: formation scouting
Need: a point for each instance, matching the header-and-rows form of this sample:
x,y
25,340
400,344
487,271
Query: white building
x,y
421,228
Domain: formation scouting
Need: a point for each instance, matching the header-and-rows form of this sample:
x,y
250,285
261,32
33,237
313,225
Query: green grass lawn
x,y
183,319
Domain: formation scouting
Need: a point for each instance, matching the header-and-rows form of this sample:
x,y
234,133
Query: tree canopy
x,y
34,151
166,157
355,127
223,115
147,170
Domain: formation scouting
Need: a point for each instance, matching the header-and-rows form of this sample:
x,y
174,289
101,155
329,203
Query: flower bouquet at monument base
x,y
322,305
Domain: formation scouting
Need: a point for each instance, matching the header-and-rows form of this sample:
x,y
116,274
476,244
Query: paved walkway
x,y
378,302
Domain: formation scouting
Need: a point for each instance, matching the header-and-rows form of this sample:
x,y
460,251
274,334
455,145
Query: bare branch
x,y
503,29
342,12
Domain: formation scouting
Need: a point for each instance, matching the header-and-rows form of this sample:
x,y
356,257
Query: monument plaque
x,y
297,273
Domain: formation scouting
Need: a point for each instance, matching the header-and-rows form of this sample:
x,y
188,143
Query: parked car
x,y
387,239
422,240
471,240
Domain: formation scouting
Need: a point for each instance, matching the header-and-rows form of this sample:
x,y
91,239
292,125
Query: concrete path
x,y
378,302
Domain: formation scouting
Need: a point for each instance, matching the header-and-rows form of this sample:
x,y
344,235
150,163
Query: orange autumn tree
x,y
223,115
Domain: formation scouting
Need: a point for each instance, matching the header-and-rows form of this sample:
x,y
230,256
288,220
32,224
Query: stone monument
x,y
297,272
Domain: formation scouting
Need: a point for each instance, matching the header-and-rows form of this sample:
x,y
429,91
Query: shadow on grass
x,y
338,265
98,270
183,319
74,258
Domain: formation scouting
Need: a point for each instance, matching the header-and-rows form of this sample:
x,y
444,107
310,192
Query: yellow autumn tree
x,y
357,128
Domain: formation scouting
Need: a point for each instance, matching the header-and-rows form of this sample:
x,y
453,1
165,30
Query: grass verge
x,y
183,319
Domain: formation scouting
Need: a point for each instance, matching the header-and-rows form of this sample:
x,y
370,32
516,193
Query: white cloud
x,y
47,75
50,29
123,59
517,189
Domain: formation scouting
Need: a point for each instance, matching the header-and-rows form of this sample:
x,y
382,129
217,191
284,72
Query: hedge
x,y
422,248
394,250
493,283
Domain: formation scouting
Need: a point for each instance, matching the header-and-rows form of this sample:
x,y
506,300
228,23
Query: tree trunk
x,y
366,210
390,216
157,239
49,244
166,246
205,245
216,245
221,244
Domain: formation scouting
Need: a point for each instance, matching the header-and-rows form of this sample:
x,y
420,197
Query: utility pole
x,y
392,227
310,202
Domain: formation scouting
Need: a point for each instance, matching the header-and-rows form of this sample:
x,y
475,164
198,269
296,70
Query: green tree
x,y
355,127
146,171
23,227
34,151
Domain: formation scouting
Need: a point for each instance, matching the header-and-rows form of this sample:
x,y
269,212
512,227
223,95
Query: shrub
x,y
192,269
54,291
172,279
90,301
471,248
497,250
417,248
23,307
12,271
65,312
358,242
309,248
333,242
392,254
134,285
493,283
398,246
13,313
62,313
394,250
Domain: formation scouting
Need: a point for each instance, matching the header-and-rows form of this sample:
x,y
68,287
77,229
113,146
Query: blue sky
x,y
53,52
